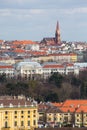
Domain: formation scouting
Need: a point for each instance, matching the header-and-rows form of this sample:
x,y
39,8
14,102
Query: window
x,y
34,122
15,112
34,111
28,116
28,112
22,116
55,118
77,115
6,117
77,120
22,123
60,118
49,119
28,123
15,116
49,114
15,123
22,112
6,124
6,112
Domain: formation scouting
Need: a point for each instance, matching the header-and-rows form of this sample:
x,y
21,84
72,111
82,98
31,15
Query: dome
x,y
29,64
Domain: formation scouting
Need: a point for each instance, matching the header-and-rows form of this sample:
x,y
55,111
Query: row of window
x,y
22,112
55,119
21,116
81,115
21,123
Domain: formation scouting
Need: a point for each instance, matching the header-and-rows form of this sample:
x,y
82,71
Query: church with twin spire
x,y
53,40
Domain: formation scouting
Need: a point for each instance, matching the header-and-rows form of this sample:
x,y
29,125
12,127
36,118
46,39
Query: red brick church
x,y
53,40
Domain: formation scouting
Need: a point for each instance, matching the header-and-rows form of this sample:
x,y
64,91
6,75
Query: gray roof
x,y
29,63
15,103
84,64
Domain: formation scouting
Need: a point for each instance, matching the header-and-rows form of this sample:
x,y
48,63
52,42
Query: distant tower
x,y
57,34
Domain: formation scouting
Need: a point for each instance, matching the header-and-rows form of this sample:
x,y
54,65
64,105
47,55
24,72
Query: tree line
x,y
56,88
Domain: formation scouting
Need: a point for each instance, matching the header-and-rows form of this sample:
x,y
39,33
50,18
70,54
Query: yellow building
x,y
17,114
73,57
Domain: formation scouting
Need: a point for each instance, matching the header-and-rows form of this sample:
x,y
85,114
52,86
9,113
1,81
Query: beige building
x,y
60,57
54,115
81,116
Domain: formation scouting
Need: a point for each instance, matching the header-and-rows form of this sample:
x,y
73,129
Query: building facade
x,y
28,70
7,70
17,114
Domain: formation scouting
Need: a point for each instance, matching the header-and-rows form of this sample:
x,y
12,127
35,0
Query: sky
x,y
36,19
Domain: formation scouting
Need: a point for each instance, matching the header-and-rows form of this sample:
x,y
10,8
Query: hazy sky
x,y
35,19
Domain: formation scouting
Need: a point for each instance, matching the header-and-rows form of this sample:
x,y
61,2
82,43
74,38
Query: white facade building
x,y
33,70
66,69
33,47
8,70
28,69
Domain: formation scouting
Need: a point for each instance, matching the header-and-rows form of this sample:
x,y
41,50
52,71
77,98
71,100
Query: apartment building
x,y
66,69
68,113
57,57
16,114
74,112
54,116
7,70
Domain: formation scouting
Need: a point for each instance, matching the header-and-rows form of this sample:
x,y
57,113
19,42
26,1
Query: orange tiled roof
x,y
82,108
14,46
74,103
37,53
1,41
19,50
53,66
24,42
77,106
70,64
67,109
4,67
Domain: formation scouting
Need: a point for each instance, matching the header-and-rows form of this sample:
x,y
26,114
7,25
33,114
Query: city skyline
x,y
36,19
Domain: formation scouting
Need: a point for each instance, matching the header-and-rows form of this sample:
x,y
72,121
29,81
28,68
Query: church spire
x,y
57,34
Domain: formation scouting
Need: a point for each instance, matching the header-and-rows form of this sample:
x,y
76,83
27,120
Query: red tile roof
x,y
53,66
1,41
37,53
67,109
24,42
82,108
4,67
69,65
72,106
17,50
74,103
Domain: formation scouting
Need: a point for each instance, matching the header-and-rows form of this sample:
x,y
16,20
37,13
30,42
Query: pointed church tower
x,y
57,34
